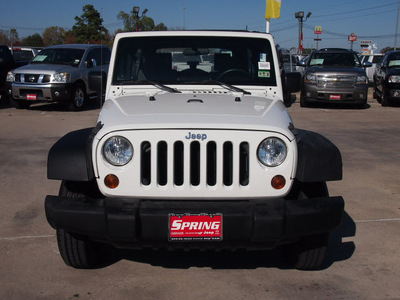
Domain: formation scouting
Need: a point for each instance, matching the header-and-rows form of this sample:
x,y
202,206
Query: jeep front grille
x,y
179,158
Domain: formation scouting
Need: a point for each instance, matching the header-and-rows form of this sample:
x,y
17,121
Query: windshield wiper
x,y
156,84
224,84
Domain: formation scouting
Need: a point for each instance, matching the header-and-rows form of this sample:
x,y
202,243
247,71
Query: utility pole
x,y
184,18
397,25
300,15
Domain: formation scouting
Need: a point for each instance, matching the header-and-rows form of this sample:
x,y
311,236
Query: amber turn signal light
x,y
111,181
278,182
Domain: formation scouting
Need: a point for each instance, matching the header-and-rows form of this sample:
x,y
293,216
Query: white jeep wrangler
x,y
194,149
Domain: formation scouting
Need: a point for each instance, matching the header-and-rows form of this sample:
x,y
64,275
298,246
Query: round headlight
x,y
118,151
272,152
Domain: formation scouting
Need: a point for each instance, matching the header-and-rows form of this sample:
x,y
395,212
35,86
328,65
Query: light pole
x,y
300,15
397,26
135,13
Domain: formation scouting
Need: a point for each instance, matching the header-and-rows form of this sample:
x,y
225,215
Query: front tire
x,y
303,102
385,101
77,251
78,97
310,252
20,104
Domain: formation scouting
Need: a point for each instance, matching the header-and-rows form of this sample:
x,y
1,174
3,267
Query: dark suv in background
x,y
387,79
334,75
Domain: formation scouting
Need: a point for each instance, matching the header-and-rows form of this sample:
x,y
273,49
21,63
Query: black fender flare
x,y
318,158
70,158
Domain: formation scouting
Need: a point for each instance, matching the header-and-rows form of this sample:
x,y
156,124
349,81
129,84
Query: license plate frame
x,y
31,97
195,227
335,97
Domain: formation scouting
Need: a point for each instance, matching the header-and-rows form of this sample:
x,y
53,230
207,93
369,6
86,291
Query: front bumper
x,y
312,93
60,92
136,223
393,92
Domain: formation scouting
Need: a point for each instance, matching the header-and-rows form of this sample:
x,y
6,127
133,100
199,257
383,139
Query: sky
x,y
368,19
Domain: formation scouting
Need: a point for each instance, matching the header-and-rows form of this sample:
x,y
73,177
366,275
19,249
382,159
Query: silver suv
x,y
334,75
59,74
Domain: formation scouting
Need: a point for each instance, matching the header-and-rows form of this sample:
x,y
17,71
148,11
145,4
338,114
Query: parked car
x,y
59,74
8,62
24,53
374,59
194,160
334,75
387,79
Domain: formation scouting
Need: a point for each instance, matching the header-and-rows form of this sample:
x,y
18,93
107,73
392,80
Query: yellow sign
x,y
318,30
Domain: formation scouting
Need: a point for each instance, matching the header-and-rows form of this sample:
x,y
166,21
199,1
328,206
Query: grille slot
x,y
145,166
210,163
244,168
178,163
195,163
162,167
228,166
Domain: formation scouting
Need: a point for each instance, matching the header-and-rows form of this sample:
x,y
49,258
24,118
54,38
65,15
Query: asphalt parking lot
x,y
364,259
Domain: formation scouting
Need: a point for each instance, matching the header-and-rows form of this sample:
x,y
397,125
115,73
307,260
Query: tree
x,y
34,40
132,22
54,35
88,27
387,49
4,40
13,34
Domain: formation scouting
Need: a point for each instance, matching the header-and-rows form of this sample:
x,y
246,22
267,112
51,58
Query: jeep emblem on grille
x,y
196,136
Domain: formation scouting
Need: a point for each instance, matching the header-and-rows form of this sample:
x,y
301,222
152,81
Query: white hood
x,y
194,110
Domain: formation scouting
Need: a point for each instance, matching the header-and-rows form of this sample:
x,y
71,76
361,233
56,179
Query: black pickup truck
x,y
7,63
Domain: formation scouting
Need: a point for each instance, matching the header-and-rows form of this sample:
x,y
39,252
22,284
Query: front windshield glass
x,y
394,60
185,60
339,59
63,56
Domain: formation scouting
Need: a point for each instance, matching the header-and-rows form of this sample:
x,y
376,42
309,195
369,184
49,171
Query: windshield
x,y
340,59
63,56
394,60
184,60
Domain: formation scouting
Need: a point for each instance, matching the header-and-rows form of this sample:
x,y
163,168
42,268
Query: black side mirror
x,y
291,82
367,64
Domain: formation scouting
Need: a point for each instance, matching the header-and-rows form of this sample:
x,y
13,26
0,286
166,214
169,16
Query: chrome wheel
x,y
78,98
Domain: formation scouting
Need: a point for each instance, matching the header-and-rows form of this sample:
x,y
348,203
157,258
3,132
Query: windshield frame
x,y
255,52
59,56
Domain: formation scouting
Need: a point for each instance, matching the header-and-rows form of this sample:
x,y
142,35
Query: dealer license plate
x,y
31,97
195,227
335,97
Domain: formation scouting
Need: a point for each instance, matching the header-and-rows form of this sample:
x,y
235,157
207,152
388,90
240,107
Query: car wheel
x,y
309,253
384,99
20,104
78,97
287,99
77,251
303,102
